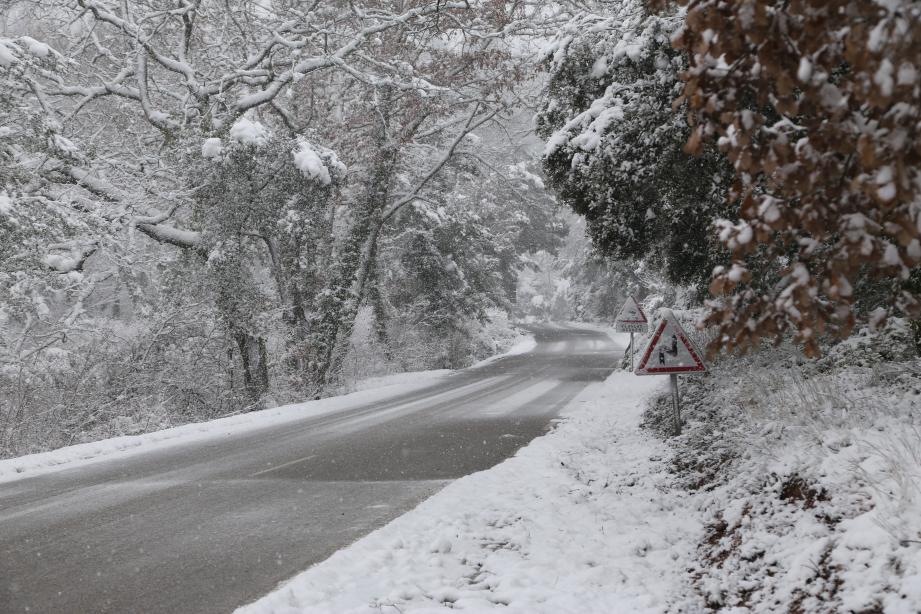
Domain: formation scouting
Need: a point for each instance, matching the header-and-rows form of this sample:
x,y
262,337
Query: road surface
x,y
210,526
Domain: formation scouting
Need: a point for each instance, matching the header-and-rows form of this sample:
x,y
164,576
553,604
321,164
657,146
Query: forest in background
x,y
211,207
207,211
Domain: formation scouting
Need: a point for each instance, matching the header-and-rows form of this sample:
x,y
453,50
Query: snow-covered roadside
x,y
526,344
808,477
380,388
367,390
398,379
582,520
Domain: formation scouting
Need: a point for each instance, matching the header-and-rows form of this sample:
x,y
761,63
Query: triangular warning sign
x,y
631,318
631,312
669,350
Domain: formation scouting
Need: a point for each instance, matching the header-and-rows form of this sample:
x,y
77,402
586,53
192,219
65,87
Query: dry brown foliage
x,y
817,103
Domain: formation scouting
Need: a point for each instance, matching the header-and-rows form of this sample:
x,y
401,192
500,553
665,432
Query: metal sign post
x,y
670,352
631,351
676,403
631,319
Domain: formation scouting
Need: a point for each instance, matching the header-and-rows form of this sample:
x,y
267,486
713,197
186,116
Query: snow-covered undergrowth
x,y
583,520
412,349
510,341
525,344
498,336
808,475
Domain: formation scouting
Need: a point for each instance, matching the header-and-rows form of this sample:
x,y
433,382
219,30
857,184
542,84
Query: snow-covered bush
x,y
160,368
894,343
808,480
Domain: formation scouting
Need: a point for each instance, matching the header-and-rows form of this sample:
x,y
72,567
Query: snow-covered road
x,y
210,524
585,520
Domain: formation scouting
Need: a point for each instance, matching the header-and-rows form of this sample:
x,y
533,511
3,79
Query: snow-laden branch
x,y
308,40
72,260
152,226
186,239
78,308
335,59
473,122
158,118
101,13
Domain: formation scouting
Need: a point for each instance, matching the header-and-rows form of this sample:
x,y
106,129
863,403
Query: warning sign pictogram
x,y
669,350
631,318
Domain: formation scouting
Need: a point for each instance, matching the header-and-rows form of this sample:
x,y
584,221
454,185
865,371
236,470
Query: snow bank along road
x,y
211,525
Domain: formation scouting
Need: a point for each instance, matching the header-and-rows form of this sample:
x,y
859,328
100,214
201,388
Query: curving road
x,y
207,527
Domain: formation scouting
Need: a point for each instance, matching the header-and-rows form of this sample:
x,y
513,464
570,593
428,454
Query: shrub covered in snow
x,y
808,480
894,343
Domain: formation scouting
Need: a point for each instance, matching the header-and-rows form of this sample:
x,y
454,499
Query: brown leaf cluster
x,y
817,103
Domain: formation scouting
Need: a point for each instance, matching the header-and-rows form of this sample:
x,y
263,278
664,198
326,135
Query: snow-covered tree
x,y
818,106
265,206
615,144
219,183
454,259
151,90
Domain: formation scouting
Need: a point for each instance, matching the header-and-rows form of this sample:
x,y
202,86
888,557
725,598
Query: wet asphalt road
x,y
210,526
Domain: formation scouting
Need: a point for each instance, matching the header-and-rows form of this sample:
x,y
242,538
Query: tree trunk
x,y
379,308
254,358
360,251
348,288
357,259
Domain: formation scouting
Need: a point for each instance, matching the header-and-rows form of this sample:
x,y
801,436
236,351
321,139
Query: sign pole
x,y
631,319
631,351
674,380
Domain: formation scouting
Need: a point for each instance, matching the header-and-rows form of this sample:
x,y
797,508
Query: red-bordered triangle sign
x,y
669,350
631,312
631,318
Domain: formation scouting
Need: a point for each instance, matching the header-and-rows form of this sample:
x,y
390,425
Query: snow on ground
x,y
795,487
583,520
808,476
72,456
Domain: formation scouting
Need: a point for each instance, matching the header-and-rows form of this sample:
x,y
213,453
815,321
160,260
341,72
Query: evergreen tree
x,y
615,144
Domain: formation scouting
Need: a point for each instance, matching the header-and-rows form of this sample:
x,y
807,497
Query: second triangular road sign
x,y
631,318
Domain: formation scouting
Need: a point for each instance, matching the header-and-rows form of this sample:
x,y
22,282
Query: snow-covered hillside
x,y
808,477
